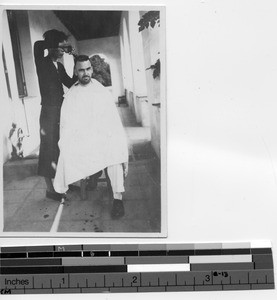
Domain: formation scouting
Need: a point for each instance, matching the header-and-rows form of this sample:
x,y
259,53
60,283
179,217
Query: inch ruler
x,y
135,268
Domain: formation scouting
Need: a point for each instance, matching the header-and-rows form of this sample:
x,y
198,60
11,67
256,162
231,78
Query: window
x,y
20,78
6,73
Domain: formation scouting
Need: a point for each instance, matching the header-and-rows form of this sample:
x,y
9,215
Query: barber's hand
x,y
125,169
73,52
67,48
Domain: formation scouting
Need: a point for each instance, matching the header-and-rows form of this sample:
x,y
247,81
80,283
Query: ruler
x,y
135,268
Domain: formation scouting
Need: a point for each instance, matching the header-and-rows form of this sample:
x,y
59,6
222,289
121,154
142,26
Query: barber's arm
x,y
67,80
39,48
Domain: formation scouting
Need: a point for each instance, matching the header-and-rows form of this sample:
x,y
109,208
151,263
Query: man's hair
x,y
81,58
53,37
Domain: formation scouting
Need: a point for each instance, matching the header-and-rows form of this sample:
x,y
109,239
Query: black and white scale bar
x,y
136,282
135,268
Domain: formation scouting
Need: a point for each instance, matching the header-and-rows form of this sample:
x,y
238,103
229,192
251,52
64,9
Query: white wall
x,y
132,59
126,54
140,50
110,47
153,50
137,54
7,118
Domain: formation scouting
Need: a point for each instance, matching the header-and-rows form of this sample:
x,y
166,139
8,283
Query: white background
x,y
222,130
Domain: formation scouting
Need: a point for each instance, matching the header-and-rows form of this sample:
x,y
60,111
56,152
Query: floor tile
x,y
24,184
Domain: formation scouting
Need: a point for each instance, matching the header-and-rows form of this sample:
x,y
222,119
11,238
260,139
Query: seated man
x,y
92,136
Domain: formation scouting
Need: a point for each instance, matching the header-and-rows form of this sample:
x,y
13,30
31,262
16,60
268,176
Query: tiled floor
x,y
27,209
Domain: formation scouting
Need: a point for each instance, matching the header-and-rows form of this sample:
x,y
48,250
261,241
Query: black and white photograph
x,y
84,122
139,149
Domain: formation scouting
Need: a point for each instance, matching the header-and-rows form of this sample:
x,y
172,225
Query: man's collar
x,y
78,83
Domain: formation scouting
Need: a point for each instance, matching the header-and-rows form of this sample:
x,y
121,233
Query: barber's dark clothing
x,y
51,82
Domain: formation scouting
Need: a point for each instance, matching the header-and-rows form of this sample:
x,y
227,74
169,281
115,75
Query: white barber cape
x,y
92,136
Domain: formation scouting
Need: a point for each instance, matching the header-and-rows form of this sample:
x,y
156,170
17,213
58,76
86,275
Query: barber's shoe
x,y
118,209
54,196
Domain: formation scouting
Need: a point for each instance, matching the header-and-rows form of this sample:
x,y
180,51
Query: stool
x,y
84,183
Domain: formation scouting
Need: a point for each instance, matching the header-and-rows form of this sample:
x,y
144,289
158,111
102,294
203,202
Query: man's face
x,y
83,70
57,53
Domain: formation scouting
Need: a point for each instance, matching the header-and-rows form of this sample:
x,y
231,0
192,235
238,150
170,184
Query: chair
x,y
98,177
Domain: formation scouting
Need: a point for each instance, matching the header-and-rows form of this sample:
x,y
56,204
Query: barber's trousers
x,y
116,176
